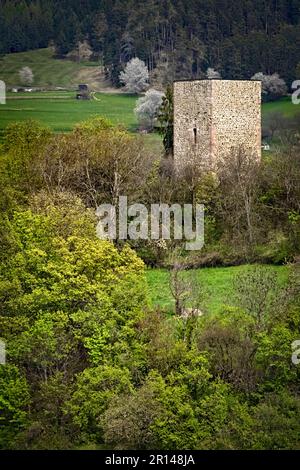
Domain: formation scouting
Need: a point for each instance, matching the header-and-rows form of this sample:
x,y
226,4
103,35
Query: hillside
x,y
49,71
177,39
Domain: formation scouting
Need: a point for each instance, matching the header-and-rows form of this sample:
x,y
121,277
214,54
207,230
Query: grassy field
x,y
284,106
218,282
47,70
61,111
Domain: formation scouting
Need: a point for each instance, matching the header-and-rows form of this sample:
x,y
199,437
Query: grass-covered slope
x,y
47,70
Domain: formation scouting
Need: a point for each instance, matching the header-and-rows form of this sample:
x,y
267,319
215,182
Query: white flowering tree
x,y
26,76
147,108
212,73
135,77
273,87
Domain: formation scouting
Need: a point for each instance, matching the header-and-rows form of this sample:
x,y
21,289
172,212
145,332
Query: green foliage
x,y
67,302
90,360
21,155
165,119
273,355
94,390
14,403
53,273
94,125
276,422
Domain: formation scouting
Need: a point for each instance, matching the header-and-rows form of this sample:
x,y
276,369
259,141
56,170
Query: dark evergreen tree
x,y
237,38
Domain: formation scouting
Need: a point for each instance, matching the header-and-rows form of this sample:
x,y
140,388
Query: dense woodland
x,y
176,38
90,363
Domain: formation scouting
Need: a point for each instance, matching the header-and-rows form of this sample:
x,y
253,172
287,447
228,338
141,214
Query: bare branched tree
x,y
186,289
238,179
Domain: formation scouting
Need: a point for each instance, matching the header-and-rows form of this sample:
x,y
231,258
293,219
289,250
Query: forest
x,y
175,38
91,363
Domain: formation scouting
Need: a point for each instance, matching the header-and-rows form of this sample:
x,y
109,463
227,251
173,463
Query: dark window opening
x,y
195,135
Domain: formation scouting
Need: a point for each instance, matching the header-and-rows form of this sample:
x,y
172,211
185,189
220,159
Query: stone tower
x,y
214,118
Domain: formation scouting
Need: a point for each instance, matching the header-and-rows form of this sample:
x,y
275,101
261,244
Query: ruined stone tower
x,y
214,118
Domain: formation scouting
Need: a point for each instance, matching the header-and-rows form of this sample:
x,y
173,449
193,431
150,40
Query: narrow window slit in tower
x,y
195,135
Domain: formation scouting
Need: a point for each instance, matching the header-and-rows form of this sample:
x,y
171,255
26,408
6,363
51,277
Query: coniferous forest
x,y
179,38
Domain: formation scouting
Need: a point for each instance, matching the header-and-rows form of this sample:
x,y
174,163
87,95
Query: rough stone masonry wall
x,y
213,119
236,119
192,110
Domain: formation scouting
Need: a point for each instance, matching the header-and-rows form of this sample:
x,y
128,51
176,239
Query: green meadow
x,y
47,70
217,283
284,106
61,111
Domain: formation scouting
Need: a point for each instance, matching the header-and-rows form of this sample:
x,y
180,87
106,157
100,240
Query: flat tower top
x,y
215,80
